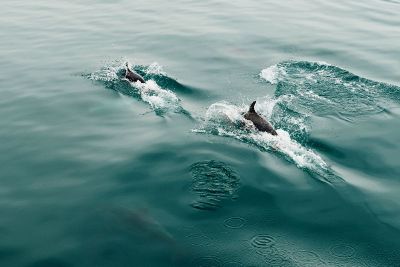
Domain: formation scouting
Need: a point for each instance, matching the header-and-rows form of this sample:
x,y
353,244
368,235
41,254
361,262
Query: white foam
x,y
272,74
155,68
158,98
303,157
266,105
275,73
323,63
221,116
223,112
161,100
109,72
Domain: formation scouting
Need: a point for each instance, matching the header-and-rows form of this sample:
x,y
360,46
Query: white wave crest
x,y
223,112
265,106
273,74
155,68
159,99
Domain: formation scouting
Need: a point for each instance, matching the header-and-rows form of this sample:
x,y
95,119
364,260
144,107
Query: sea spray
x,y
161,100
225,119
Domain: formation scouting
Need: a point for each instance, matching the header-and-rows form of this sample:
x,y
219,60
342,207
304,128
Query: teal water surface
x,y
98,171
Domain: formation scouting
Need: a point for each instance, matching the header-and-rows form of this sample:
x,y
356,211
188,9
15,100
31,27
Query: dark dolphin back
x,y
133,76
251,109
259,122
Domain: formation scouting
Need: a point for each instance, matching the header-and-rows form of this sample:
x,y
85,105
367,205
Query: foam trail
x,y
224,119
161,100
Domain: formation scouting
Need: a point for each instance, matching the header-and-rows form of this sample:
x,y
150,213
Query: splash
x,y
303,90
161,100
321,89
156,69
224,119
273,74
109,72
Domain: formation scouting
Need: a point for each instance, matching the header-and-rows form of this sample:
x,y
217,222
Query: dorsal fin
x,y
127,69
251,109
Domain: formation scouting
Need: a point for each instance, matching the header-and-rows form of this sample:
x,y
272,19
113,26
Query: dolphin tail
x,y
251,109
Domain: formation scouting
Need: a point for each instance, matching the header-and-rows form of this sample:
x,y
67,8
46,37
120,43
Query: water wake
x,y
161,100
321,89
303,89
225,119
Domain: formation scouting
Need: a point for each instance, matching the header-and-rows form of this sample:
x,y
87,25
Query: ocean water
x,y
98,171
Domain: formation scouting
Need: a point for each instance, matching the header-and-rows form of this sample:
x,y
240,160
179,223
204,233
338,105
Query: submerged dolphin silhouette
x,y
259,122
133,76
147,229
143,223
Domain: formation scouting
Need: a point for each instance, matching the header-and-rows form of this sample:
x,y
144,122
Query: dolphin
x,y
147,229
141,222
133,76
259,122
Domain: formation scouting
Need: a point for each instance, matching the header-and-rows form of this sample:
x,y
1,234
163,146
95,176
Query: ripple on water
x,y
266,251
213,181
343,251
262,241
207,261
276,259
235,222
307,258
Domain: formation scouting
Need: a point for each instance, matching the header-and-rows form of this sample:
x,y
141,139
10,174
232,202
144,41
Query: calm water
x,y
96,171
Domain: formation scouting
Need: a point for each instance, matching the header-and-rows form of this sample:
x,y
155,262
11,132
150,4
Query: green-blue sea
x,y
99,171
